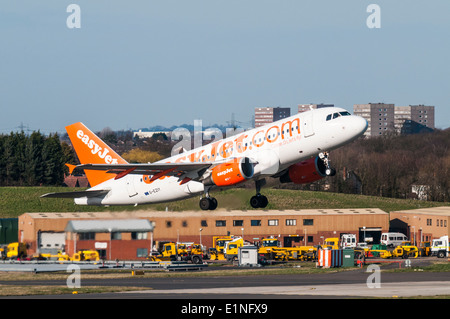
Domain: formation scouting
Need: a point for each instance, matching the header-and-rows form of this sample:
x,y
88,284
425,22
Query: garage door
x,y
372,234
51,242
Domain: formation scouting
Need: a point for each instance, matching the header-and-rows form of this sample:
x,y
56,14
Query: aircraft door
x,y
308,129
130,186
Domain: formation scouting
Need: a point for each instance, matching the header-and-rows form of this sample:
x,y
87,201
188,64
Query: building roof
x,y
108,226
205,214
442,210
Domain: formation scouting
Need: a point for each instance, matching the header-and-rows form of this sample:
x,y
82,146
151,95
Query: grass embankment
x,y
15,201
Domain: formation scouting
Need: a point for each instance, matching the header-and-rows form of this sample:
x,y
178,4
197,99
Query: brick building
x,y
119,231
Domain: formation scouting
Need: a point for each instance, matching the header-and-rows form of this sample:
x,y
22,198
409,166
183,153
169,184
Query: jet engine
x,y
307,171
230,173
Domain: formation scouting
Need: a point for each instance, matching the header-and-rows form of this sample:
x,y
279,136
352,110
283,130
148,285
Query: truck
x,y
231,249
331,243
14,251
177,252
271,249
216,252
440,247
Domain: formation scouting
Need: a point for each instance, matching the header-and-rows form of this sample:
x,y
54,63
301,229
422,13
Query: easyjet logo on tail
x,y
96,149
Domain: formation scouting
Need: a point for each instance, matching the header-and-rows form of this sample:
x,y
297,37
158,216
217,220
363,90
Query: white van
x,y
392,239
348,241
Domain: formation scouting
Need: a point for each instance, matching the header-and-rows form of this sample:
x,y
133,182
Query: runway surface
x,y
348,284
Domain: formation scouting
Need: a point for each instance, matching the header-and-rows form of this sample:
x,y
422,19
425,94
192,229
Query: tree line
x,y
383,166
391,164
33,160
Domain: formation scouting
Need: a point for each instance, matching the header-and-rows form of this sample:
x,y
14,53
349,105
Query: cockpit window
x,y
337,114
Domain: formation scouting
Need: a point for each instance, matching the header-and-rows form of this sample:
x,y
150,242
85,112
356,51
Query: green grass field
x,y
15,201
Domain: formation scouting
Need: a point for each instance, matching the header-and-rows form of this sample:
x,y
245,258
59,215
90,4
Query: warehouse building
x,y
113,239
422,224
120,235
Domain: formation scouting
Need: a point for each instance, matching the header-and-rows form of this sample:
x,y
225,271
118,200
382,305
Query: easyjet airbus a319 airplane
x,y
293,149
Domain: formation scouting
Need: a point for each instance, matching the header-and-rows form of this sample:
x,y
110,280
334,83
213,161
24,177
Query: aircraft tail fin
x,y
91,149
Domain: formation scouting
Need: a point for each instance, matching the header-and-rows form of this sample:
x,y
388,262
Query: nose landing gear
x,y
329,171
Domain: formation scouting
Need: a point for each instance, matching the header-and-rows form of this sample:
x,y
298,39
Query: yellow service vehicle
x,y
331,243
425,249
219,242
59,257
85,255
177,252
14,251
406,250
271,249
231,249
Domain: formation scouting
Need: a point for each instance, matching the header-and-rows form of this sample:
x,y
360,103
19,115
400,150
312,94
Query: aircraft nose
x,y
359,125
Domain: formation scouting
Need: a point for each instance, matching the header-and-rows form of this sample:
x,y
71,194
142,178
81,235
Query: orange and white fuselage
x,y
288,147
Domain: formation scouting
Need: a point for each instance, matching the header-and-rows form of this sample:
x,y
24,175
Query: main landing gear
x,y
259,201
208,202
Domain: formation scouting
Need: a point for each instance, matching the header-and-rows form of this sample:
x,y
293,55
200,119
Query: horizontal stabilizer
x,y
96,193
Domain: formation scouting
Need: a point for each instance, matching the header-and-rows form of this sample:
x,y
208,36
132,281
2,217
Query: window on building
x,y
204,223
273,222
310,239
255,222
291,222
308,222
168,223
86,236
116,235
184,223
238,223
141,252
137,235
221,223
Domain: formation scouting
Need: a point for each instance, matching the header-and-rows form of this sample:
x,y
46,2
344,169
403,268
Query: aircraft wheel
x,y
254,202
263,201
259,201
208,203
205,203
213,203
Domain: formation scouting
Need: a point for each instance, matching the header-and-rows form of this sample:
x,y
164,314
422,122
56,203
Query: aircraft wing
x,y
88,194
155,169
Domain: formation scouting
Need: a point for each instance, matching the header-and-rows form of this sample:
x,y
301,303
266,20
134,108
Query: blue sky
x,y
135,64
